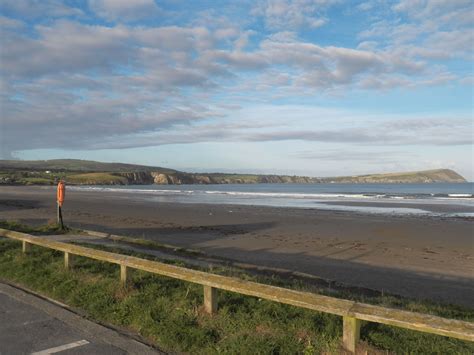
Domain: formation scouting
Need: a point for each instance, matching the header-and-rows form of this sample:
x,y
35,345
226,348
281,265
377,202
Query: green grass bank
x,y
169,312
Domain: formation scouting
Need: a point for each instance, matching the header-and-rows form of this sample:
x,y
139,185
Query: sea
x,y
434,199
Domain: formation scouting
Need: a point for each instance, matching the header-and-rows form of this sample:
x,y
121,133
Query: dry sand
x,y
421,257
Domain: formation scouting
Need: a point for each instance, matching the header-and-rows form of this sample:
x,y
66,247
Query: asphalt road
x,y
32,325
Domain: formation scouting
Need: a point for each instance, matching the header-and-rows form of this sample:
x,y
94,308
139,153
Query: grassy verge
x,y
375,298
46,229
43,178
295,282
169,312
96,179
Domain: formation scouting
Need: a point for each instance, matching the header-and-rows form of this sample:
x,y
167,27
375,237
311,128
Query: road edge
x,y
120,338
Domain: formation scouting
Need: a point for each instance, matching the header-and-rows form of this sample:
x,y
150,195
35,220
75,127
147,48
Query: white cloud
x,y
293,14
467,80
39,9
394,131
123,81
124,10
10,24
65,46
353,154
435,29
426,9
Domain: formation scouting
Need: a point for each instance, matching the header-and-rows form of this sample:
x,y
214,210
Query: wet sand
x,y
436,208
421,257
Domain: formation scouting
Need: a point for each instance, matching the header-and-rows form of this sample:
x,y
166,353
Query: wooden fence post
x,y
123,275
25,247
350,333
210,299
68,260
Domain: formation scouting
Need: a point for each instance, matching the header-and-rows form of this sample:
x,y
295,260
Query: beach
x,y
414,256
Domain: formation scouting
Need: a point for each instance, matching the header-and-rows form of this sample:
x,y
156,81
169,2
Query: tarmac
x,y
31,324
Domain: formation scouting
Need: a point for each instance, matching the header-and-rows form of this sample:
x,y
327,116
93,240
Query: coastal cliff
x,y
426,176
78,172
177,179
159,178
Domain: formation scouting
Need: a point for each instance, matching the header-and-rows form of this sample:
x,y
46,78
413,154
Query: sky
x,y
300,87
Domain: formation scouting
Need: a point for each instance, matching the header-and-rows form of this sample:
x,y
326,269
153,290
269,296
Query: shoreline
x,y
414,256
433,207
370,204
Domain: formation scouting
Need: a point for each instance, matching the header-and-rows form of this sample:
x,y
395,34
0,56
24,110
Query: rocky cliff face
x,y
179,179
142,178
138,178
159,178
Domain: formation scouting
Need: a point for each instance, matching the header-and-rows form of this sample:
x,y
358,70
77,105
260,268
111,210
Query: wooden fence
x,y
353,313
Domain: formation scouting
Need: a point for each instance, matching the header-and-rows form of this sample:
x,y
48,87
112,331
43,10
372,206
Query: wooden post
x,y
25,247
60,217
210,299
123,275
351,333
68,258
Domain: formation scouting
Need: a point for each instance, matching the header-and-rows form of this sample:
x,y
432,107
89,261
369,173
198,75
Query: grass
x,y
77,165
37,181
47,229
316,286
436,175
30,177
169,312
428,307
42,178
96,179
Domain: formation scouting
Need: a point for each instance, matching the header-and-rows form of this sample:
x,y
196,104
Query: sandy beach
x,y
421,257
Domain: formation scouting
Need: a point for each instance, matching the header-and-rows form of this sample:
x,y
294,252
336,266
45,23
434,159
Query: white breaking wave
x,y
284,194
141,191
295,195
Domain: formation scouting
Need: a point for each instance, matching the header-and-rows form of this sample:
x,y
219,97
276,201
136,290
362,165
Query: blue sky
x,y
307,87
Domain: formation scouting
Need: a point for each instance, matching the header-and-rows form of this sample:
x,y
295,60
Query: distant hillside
x,y
77,165
426,176
85,172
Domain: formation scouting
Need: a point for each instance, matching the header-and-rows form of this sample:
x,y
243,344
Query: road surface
x,y
32,325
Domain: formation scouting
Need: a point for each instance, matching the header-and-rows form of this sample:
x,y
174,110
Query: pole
x,y
60,199
60,217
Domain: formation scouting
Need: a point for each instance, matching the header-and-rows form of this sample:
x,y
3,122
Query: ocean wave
x,y
291,195
284,194
140,191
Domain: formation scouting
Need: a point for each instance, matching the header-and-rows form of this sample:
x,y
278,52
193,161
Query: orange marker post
x,y
61,193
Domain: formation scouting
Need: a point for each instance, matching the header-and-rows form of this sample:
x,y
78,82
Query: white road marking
x,y
62,348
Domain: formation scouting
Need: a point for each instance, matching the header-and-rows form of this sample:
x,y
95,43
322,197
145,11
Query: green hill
x,y
425,176
77,165
86,172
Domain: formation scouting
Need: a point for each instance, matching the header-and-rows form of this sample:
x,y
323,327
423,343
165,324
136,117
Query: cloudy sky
x,y
308,87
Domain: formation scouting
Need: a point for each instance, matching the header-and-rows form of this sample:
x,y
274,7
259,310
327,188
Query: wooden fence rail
x,y
352,312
